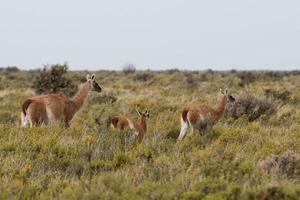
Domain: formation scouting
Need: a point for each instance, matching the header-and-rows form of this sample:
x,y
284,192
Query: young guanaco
x,y
203,117
122,122
46,109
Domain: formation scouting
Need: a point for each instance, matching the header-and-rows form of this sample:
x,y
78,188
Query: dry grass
x,y
91,161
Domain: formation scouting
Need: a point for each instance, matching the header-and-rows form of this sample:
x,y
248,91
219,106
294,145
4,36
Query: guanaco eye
x,y
231,98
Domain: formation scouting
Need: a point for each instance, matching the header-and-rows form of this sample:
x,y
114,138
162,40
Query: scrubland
x,y
253,152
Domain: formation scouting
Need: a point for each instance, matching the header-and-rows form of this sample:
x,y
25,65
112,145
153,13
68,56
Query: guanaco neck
x,y
220,107
143,127
80,97
143,123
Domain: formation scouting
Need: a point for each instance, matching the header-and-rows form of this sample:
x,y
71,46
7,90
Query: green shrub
x,y
52,79
121,160
272,192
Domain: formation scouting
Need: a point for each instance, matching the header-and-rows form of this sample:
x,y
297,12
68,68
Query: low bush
x,y
129,68
12,69
287,163
250,106
280,95
248,77
145,76
191,80
172,71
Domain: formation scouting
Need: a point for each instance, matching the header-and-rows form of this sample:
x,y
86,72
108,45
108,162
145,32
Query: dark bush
x,y
194,80
12,69
143,77
250,106
294,72
273,75
53,80
246,78
281,95
129,68
172,71
210,71
189,79
10,76
287,163
204,77
233,71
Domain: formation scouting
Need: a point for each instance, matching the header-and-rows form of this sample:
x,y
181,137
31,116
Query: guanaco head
x,y
95,86
143,114
229,97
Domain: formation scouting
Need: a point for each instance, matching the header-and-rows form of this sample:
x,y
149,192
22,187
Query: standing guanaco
x,y
203,117
121,122
46,109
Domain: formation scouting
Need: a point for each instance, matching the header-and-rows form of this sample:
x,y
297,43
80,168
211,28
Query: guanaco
x,y
46,109
203,117
121,122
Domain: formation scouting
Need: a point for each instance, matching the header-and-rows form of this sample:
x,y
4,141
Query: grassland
x,y
240,158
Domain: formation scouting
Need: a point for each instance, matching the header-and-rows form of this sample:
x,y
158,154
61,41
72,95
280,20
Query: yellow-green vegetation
x,y
251,153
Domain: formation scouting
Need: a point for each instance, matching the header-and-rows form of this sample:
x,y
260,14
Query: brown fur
x,y
55,107
184,114
122,122
202,117
25,105
200,113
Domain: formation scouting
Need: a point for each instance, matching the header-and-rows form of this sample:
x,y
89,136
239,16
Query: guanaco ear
x,y
93,77
139,113
222,92
146,114
226,91
88,77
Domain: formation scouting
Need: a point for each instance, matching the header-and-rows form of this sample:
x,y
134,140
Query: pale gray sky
x,y
155,34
